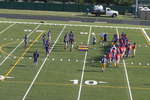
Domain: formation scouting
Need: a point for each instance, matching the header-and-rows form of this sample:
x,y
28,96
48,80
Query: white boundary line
x,y
128,83
145,34
83,69
29,88
7,28
18,46
74,25
117,32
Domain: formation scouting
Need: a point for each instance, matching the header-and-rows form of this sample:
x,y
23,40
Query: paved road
x,y
58,18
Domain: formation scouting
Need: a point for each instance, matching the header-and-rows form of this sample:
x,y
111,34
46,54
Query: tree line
x,y
108,2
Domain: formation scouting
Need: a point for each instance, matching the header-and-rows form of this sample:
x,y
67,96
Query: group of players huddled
x,y
121,47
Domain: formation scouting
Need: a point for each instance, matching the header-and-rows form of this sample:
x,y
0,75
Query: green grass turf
x,y
54,82
148,32
62,14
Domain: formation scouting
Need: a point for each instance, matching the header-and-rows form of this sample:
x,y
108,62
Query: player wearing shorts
x,y
36,56
134,46
71,40
104,63
44,39
25,40
117,59
109,57
128,50
66,41
93,40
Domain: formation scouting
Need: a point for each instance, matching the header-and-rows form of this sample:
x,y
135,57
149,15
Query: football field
x,y
65,75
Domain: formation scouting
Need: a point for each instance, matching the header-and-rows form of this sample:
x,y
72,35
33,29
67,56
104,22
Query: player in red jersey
x,y
134,46
117,59
109,57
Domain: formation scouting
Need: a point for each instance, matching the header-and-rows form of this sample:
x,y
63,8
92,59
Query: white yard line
x,y
29,88
145,34
83,69
7,28
74,25
126,73
17,46
117,32
127,78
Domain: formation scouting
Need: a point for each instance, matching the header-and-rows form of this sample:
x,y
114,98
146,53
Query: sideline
x,y
36,23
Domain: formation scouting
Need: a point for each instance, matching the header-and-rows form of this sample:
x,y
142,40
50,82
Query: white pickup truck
x,y
98,10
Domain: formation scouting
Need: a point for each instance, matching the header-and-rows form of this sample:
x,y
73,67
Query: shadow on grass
x,y
21,65
90,70
95,61
8,47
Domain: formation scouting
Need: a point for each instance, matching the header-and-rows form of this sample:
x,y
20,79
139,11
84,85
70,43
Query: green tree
x,y
123,2
81,2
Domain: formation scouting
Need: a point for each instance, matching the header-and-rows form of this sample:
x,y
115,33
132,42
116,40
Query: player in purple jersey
x,y
105,37
47,46
66,41
44,39
49,34
36,56
115,39
71,40
129,50
25,40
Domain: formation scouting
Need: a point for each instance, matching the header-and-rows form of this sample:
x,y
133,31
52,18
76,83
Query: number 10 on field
x,y
88,82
